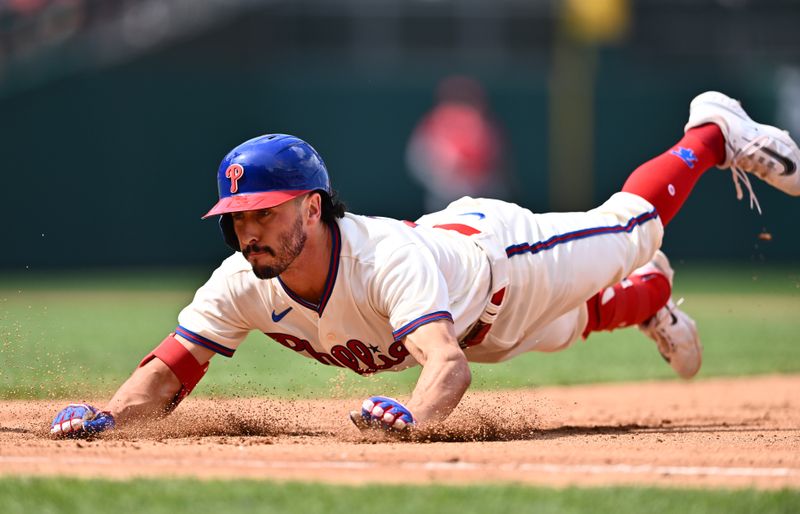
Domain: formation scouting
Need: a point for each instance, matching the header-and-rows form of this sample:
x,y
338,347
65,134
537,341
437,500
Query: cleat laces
x,y
739,173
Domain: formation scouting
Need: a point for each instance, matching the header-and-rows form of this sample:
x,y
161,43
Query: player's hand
x,y
80,420
380,412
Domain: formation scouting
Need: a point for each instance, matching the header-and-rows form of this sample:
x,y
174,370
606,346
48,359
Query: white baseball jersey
x,y
388,277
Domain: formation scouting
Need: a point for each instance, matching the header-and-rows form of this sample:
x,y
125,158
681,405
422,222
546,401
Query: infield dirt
x,y
742,432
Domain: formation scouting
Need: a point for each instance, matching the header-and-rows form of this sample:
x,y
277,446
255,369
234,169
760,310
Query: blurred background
x,y
116,113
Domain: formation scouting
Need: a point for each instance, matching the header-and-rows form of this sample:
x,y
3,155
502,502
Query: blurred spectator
x,y
25,6
457,149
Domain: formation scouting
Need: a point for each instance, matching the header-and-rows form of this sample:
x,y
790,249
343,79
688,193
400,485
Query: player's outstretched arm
x,y
444,379
153,390
445,373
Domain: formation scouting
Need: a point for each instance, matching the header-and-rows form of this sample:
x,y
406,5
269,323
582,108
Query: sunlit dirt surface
x,y
739,432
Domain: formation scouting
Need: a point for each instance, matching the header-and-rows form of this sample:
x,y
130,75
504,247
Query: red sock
x,y
630,302
667,180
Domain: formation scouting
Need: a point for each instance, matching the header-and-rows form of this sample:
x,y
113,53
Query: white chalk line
x,y
555,469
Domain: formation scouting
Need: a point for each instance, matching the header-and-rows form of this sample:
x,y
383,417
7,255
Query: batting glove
x,y
80,420
383,413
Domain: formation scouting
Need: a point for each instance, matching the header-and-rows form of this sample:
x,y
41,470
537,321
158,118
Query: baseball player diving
x,y
480,281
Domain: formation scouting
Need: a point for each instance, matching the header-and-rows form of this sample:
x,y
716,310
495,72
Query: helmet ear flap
x,y
228,233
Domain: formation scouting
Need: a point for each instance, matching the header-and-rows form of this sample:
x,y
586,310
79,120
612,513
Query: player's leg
x,y
608,256
559,260
643,299
666,181
631,301
720,133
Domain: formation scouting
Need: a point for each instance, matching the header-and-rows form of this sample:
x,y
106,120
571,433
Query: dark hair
x,y
332,207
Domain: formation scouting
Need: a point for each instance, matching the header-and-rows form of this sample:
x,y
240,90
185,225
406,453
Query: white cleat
x,y
674,332
763,150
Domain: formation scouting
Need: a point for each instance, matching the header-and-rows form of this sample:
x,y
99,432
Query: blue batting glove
x,y
384,413
80,420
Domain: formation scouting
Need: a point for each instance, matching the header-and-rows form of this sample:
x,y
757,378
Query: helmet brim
x,y
253,201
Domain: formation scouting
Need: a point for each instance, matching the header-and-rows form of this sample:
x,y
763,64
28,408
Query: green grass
x,y
45,496
80,335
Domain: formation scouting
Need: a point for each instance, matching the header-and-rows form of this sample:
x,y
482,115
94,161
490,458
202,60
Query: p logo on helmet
x,y
234,172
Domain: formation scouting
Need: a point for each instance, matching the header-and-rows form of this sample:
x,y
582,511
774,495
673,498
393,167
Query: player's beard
x,y
290,244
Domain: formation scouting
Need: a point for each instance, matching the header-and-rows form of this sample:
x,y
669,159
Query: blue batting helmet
x,y
264,172
267,171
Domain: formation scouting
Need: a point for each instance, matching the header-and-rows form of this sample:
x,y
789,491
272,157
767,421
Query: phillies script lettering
x,y
354,354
